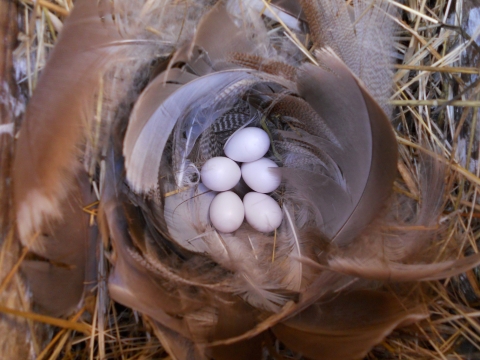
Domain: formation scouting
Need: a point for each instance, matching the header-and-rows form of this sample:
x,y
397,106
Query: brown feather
x,y
368,148
47,147
375,269
258,63
290,7
234,319
217,36
68,247
347,325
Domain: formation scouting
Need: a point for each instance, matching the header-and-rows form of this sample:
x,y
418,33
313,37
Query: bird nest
x,y
434,117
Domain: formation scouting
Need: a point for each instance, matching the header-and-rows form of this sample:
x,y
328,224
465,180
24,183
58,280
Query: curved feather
x,y
46,151
156,93
130,282
346,326
142,160
369,152
376,269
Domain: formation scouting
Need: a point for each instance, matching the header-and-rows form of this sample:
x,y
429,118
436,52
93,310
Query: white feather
x,y
142,160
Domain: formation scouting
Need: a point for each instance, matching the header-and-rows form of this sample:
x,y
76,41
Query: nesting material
x,y
426,75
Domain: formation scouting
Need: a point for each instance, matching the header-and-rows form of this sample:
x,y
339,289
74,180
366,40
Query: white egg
x,y
259,177
227,212
262,212
220,173
248,144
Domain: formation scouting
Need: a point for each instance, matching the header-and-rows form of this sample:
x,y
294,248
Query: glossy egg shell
x,y
262,212
227,212
258,177
220,173
248,144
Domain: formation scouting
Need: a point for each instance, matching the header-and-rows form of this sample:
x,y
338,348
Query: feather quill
x,y
375,269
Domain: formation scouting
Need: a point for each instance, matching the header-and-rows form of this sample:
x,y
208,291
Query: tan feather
x,y
47,147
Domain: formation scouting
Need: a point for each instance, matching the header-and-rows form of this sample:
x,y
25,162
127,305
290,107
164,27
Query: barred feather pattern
x,y
363,47
306,118
301,155
213,139
258,63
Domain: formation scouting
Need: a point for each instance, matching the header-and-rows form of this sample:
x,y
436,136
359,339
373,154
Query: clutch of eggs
x,y
227,211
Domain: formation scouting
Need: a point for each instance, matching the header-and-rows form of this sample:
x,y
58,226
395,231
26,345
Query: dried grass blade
x,y
50,6
65,324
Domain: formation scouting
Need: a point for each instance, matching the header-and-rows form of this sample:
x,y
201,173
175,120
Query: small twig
x,y
57,337
176,191
410,10
445,69
439,102
291,35
274,245
65,324
15,268
50,6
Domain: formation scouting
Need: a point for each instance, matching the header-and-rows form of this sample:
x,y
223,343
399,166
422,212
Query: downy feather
x,y
290,239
